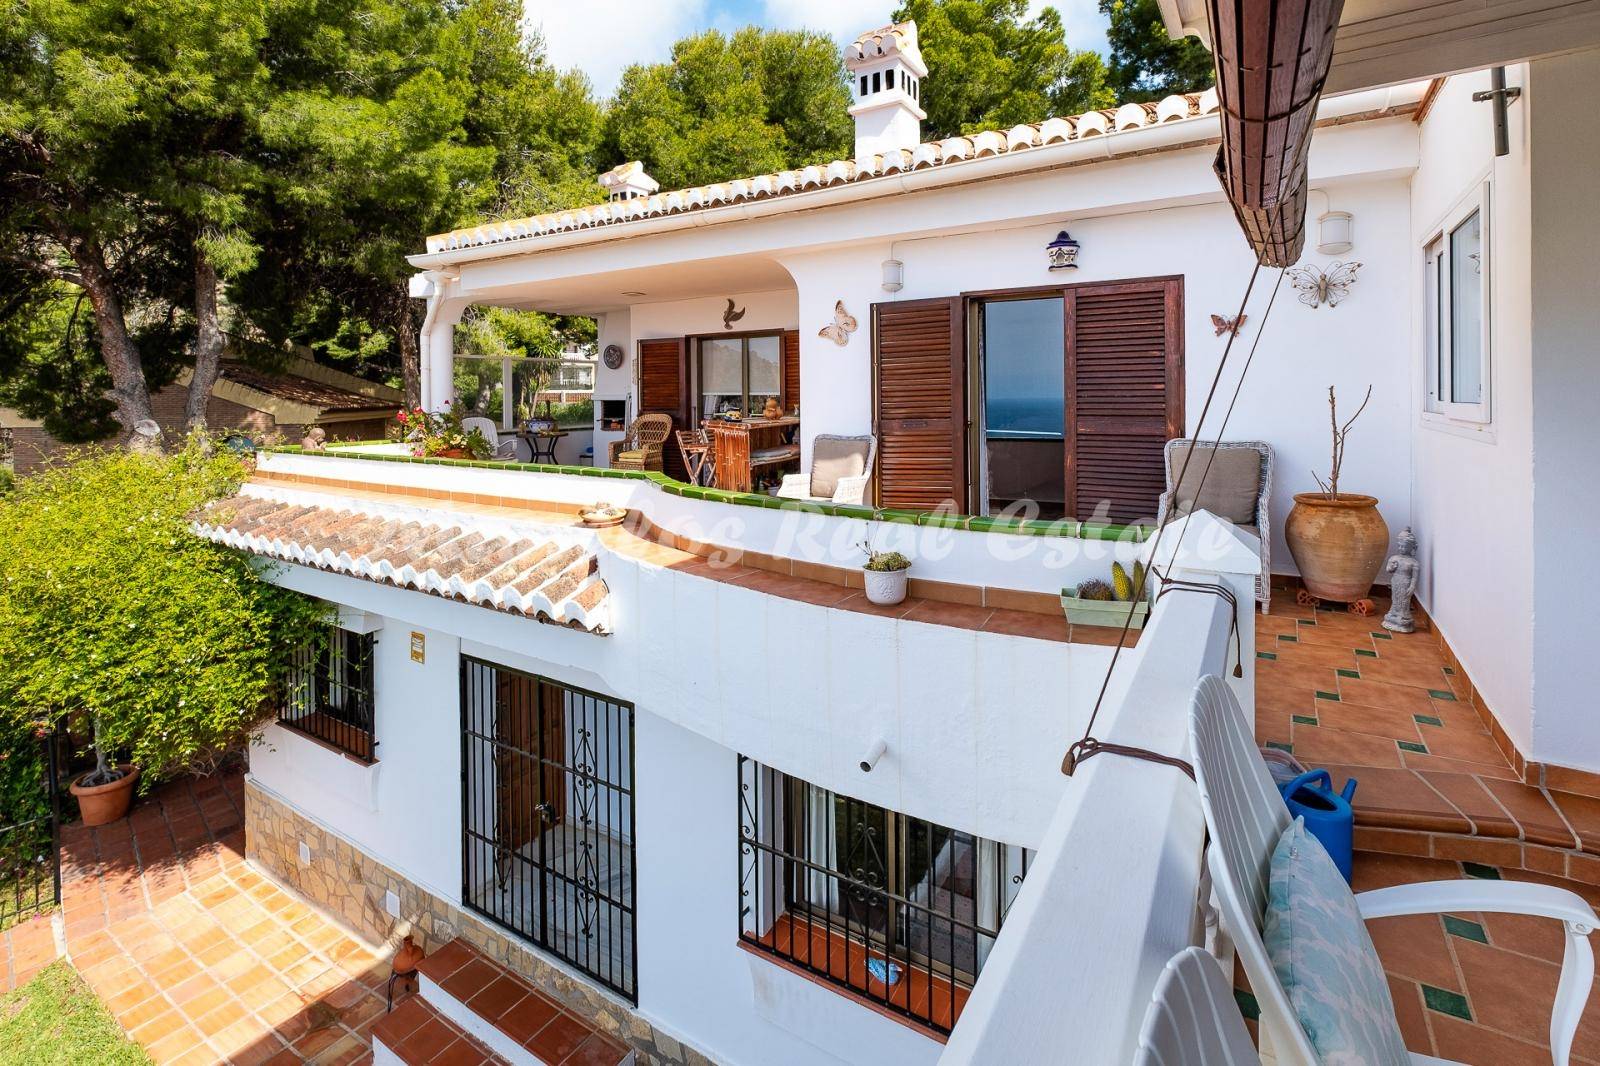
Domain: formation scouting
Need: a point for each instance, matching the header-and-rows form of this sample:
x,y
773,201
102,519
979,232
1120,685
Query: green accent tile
x,y
1267,655
1331,697
1303,719
1366,653
1379,634
1464,929
1426,719
1449,671
1305,621
853,510
1247,1005
1411,746
1287,639
940,520
1281,747
1447,1002
1480,871
1442,696
1349,673
906,517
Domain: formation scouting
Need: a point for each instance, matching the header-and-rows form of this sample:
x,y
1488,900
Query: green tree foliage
x,y
111,607
731,106
991,67
1146,64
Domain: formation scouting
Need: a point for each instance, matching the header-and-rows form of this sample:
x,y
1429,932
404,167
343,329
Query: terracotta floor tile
x,y
1499,771
430,1038
1459,744
463,1052
1381,871
1027,624
1425,675
470,979
1539,820
1473,800
1375,721
499,996
1408,1011
1413,947
1583,814
529,1016
558,1039
1299,654
1371,693
1511,993
1320,745
958,615
1464,1042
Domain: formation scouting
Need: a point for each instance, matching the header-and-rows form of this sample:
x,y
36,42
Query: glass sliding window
x,y
896,909
1456,288
1021,345
738,373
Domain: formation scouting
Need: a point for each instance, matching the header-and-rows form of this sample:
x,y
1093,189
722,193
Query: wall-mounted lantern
x,y
894,274
1062,252
1335,232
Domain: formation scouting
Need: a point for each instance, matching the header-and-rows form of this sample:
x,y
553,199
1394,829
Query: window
x,y
898,910
738,373
328,694
1456,291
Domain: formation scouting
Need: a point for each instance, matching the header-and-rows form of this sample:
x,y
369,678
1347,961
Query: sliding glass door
x,y
737,374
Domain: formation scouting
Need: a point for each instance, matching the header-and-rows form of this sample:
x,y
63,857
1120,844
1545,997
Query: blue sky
x,y
601,37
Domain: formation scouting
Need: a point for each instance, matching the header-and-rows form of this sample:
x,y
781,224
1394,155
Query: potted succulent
x,y
1338,539
1108,603
884,574
440,435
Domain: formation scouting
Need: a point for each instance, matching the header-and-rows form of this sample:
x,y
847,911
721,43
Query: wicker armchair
x,y
640,448
1234,490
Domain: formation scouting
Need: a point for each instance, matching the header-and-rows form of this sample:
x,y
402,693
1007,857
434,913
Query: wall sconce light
x,y
894,275
1062,252
1335,232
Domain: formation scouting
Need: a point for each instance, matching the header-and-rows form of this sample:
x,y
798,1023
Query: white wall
x,y
1565,145
1284,398
1474,486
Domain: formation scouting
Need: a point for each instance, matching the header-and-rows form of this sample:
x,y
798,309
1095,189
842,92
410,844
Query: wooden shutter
x,y
1124,395
664,388
791,368
920,403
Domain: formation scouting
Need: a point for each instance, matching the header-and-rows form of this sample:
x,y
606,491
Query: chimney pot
x,y
886,72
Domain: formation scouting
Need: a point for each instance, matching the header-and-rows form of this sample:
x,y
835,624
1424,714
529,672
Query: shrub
x,y
112,607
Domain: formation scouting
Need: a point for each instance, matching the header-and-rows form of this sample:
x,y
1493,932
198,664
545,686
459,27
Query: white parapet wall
x,y
1071,969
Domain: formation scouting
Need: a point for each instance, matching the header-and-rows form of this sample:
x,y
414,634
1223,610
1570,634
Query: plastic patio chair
x,y
1193,1019
491,433
1245,817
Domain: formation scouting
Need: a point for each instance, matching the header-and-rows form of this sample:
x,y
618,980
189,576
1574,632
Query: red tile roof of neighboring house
x,y
291,386
516,567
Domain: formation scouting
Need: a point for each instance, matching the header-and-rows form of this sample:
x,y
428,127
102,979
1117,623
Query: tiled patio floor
x,y
1342,693
200,958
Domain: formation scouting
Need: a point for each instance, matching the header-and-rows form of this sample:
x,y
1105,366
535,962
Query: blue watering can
x,y
1327,813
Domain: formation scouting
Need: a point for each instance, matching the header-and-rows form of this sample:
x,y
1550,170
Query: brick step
x,y
1482,850
509,1016
415,1033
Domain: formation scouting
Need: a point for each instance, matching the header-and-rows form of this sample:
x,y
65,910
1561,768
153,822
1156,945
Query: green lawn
x,y
54,1020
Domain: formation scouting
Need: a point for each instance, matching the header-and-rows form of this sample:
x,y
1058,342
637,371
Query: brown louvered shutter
x,y
791,368
920,403
663,388
1124,395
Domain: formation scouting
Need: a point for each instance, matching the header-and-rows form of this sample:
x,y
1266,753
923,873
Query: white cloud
x,y
601,37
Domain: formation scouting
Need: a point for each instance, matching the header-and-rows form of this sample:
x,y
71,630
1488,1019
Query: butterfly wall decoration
x,y
1317,287
1228,324
844,323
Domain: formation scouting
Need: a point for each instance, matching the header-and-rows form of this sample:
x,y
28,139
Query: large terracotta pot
x,y
104,804
1339,545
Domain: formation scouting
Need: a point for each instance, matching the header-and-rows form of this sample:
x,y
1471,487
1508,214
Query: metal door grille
x,y
547,788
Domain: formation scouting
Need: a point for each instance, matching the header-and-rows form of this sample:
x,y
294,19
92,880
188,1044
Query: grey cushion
x,y
833,458
1232,485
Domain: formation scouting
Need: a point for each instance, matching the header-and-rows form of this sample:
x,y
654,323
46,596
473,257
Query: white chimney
x,y
628,181
886,72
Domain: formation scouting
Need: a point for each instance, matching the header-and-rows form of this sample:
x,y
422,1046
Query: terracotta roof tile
x,y
289,386
517,567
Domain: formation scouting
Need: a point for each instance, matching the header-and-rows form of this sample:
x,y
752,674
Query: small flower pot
x,y
885,587
453,453
104,804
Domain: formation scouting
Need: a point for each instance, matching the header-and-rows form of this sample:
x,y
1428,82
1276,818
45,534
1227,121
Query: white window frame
x,y
1436,296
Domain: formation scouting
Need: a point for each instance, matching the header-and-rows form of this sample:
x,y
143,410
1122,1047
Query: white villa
x,y
681,775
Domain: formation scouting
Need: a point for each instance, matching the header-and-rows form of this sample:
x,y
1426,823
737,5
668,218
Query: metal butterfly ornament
x,y
844,323
1228,323
1317,287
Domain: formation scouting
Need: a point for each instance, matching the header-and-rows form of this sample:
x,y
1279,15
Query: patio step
x,y
415,1033
509,1016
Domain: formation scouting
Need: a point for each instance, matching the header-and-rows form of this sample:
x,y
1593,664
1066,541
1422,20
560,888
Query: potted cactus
x,y
884,575
1107,603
